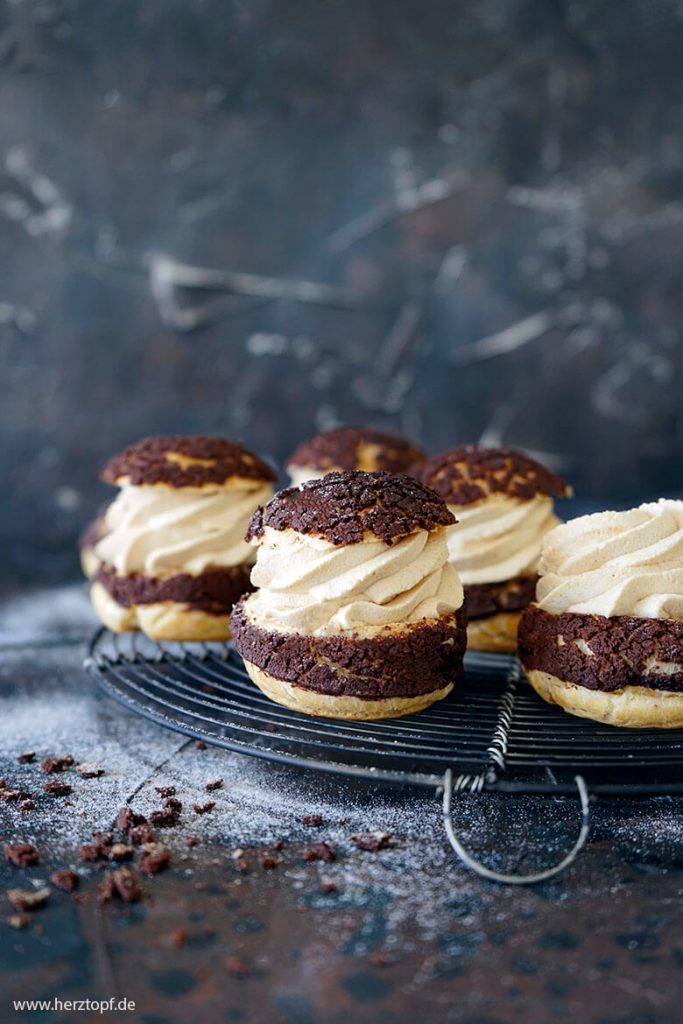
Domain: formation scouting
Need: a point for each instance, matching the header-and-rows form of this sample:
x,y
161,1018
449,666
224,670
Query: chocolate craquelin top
x,y
342,507
184,461
345,447
469,473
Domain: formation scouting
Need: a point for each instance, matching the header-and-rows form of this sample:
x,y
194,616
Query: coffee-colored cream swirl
x,y
616,563
499,538
309,585
160,531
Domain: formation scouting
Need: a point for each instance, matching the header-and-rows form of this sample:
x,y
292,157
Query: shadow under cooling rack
x,y
493,730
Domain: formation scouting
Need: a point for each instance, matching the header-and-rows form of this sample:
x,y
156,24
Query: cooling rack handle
x,y
497,876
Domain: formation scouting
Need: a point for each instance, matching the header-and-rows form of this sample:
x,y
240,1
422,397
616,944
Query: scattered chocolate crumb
x,y
90,770
154,861
200,744
127,818
236,966
321,851
372,841
277,845
205,807
27,758
122,882
140,834
27,805
243,866
268,863
313,819
170,814
328,887
22,855
18,920
100,848
65,879
27,899
121,851
343,821
12,795
57,788
103,838
178,938
166,790
213,784
90,852
191,840
56,764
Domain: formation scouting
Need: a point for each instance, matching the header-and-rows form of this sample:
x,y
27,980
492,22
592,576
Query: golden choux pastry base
x,y
324,706
633,707
165,620
495,633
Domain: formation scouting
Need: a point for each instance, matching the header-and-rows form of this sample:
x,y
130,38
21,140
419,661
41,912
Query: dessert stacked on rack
x,y
369,582
169,555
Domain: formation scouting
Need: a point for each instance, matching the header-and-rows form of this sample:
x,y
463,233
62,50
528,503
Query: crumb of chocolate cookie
x,y
28,899
469,473
205,807
327,887
165,791
154,861
56,764
90,770
65,879
185,461
178,938
12,795
200,744
378,958
122,883
342,507
213,784
169,815
277,845
127,818
22,855
237,967
57,788
191,841
347,448
90,852
242,866
121,851
27,758
321,851
267,862
313,819
372,841
26,805
140,834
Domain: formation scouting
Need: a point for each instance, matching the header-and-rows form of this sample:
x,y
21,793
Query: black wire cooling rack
x,y
492,733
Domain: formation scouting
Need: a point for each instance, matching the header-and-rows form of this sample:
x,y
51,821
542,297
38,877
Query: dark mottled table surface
x,y
243,927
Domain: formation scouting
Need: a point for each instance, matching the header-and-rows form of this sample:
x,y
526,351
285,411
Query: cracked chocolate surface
x,y
215,591
419,659
612,652
484,599
469,473
168,460
342,507
339,449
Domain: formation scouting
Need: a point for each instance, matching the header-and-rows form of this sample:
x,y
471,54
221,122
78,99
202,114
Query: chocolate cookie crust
x,y
185,461
625,649
341,507
215,591
339,450
469,473
418,660
484,599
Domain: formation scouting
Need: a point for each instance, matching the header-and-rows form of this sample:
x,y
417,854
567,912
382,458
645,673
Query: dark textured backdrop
x,y
261,217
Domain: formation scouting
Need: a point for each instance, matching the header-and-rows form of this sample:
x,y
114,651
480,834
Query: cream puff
x,y
348,448
604,639
358,613
171,559
503,502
